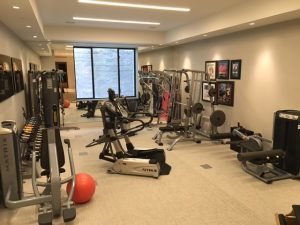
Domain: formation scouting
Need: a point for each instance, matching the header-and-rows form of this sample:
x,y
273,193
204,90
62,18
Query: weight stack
x,y
286,136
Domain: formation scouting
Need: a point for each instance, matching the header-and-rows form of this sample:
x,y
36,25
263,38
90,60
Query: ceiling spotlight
x,y
204,35
35,36
251,24
16,7
28,26
141,6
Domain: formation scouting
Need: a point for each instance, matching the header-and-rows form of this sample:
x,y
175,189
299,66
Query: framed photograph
x,y
223,70
210,69
236,66
146,68
6,78
17,74
225,93
206,86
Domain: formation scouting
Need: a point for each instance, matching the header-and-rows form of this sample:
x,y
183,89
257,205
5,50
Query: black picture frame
x,y
225,93
205,91
223,69
211,70
6,78
146,68
236,68
17,72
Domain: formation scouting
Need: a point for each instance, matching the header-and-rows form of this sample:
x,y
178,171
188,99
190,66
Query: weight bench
x,y
177,128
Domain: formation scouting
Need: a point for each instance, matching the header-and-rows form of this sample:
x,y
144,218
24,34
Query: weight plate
x,y
217,118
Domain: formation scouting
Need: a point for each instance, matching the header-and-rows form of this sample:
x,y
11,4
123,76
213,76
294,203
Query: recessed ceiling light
x,y
35,36
251,24
135,5
114,21
16,7
204,35
28,26
69,46
176,42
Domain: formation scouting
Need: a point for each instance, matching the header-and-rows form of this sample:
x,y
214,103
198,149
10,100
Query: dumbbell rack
x,y
30,140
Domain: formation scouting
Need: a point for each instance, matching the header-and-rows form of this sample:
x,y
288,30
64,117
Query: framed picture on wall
x,y
6,78
146,68
210,70
225,93
223,70
17,74
236,68
207,89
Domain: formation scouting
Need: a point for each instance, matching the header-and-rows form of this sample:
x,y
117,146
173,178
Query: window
x,y
97,69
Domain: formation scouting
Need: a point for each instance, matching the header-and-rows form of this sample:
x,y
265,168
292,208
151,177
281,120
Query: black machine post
x,y
286,135
50,97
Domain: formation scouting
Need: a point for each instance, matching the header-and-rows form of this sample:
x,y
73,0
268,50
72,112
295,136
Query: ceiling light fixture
x,y
135,5
28,26
251,24
35,36
69,46
204,35
114,21
16,7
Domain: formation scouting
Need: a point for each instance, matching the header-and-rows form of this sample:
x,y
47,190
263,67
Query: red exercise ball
x,y
67,103
84,190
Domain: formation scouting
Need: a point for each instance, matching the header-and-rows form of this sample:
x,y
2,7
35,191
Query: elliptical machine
x,y
142,162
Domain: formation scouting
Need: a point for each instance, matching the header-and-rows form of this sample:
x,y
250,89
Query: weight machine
x,y
52,161
258,162
189,127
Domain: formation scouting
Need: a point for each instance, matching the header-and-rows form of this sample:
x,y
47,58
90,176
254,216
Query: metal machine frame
x,y
11,179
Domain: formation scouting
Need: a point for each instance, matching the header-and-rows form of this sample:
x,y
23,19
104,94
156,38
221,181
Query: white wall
x,y
47,63
270,76
12,46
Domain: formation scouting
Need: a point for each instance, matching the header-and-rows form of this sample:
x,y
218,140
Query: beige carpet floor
x,y
191,195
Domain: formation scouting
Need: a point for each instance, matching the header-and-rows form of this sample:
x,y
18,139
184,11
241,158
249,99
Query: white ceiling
x,y
52,22
60,13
